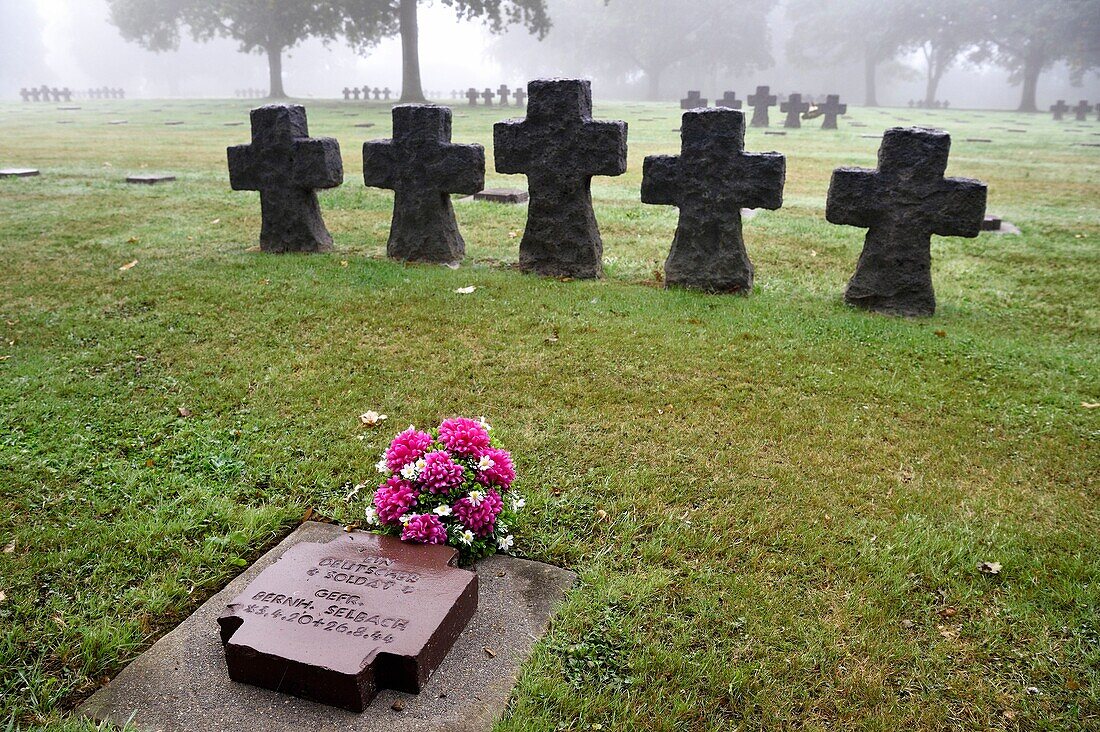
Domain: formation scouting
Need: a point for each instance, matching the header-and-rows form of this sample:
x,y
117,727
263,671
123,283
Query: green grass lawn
x,y
776,504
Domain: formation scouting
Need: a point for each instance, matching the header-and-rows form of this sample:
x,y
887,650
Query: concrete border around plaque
x,y
182,682
19,172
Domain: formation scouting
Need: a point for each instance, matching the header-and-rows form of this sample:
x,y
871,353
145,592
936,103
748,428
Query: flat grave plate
x,y
774,132
18,172
150,180
181,684
502,195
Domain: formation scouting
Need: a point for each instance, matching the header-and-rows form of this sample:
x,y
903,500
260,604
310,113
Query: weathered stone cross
x,y
472,96
520,96
831,107
729,100
760,101
902,204
487,97
693,101
793,108
560,147
711,181
422,167
285,165
347,94
1059,110
1081,111
502,94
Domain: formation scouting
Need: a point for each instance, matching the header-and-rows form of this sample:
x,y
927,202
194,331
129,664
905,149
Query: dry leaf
x,y
371,418
306,516
2,596
398,705
1090,405
132,240
343,263
989,567
184,411
215,222
466,290
490,652
9,547
254,248
948,612
127,266
941,333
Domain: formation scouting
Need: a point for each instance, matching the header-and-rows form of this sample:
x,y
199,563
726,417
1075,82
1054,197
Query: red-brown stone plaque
x,y
336,622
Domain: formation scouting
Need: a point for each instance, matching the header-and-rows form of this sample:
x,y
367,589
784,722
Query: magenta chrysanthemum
x,y
440,473
503,471
393,499
425,529
464,436
407,447
482,517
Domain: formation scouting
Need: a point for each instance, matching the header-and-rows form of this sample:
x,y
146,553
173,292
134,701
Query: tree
x,y
367,21
825,33
941,30
270,27
646,40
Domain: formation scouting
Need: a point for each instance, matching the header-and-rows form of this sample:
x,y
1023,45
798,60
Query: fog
x,y
72,43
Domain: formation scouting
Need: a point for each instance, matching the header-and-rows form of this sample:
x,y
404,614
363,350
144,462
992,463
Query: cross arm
x,y
243,169
661,180
852,197
762,176
961,208
317,163
461,169
379,164
604,147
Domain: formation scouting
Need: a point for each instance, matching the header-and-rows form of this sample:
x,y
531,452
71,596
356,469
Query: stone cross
x,y
832,107
423,167
711,180
25,94
472,96
285,165
56,94
760,101
347,94
366,93
35,94
355,93
377,94
487,97
1081,111
902,204
386,93
693,101
502,94
1059,110
67,94
560,147
729,100
793,108
520,96
45,90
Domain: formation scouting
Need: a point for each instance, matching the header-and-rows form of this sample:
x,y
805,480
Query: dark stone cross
x,y
25,94
520,96
423,167
487,97
502,94
560,147
56,94
711,180
832,107
693,101
729,100
1059,110
793,108
36,94
902,204
472,96
760,101
377,94
347,94
45,91
386,93
285,165
67,94
366,93
1081,111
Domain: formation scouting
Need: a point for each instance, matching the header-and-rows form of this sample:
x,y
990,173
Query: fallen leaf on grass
x,y
989,567
466,290
132,240
9,547
128,266
183,411
948,612
941,333
343,263
254,248
3,596
1090,405
490,652
215,222
306,516
371,418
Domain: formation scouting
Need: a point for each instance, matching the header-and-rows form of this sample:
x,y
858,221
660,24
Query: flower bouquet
x,y
453,488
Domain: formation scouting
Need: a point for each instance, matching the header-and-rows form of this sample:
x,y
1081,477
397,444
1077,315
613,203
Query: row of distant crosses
x,y
1080,112
923,104
46,94
560,147
794,107
250,93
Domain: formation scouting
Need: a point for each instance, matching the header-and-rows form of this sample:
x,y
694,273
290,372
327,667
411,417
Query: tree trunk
x,y
933,83
653,81
870,96
1033,66
410,53
275,70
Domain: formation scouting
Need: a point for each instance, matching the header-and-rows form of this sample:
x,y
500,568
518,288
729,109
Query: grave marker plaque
x,y
336,622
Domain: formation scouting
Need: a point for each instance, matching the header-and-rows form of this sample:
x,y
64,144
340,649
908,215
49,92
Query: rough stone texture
x,y
286,166
729,100
502,195
18,172
1081,111
560,147
760,101
710,181
794,107
422,167
991,223
150,180
1059,110
693,101
831,108
334,622
181,683
902,204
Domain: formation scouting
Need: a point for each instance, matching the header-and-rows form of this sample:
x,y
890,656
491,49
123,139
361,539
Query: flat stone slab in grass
x,y
774,132
182,682
173,124
502,195
978,139
150,180
18,172
119,122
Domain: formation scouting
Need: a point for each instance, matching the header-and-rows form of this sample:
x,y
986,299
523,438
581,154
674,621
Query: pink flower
x,y
502,473
478,512
393,499
425,528
440,473
464,436
406,448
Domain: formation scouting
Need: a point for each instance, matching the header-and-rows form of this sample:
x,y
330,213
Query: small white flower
x,y
466,537
354,491
382,467
409,472
484,425
371,418
505,543
443,510
408,517
502,527
485,463
518,501
421,464
372,516
466,290
476,497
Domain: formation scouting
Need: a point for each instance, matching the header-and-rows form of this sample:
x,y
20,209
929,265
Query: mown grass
x,y
776,504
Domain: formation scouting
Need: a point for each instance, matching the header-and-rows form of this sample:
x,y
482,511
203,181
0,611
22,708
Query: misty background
x,y
72,43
